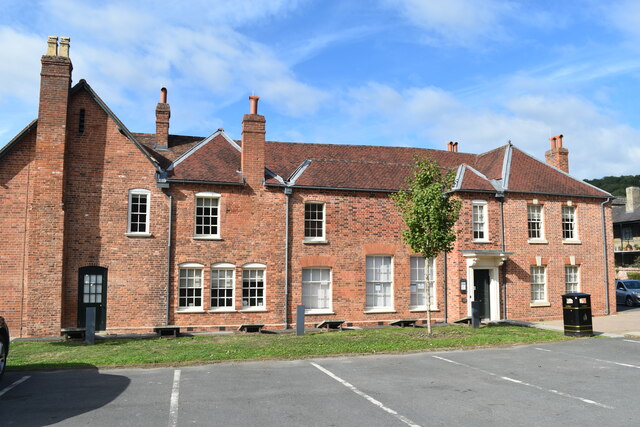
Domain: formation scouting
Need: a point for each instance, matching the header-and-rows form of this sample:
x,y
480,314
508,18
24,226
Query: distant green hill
x,y
616,185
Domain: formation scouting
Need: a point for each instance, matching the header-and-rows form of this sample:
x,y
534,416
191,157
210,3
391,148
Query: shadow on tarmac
x,y
49,397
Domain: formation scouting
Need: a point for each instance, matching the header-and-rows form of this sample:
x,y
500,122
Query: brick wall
x,y
102,166
14,185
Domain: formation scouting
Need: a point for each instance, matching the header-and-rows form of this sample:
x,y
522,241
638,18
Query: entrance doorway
x,y
482,292
92,292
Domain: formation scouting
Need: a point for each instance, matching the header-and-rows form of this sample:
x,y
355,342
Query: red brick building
x,y
210,233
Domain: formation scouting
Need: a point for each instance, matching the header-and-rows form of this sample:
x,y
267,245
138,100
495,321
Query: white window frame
x,y
130,213
320,284
206,196
376,287
419,276
254,266
538,279
226,267
482,206
572,279
540,221
324,222
573,222
196,268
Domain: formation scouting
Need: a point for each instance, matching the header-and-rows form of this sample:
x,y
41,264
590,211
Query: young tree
x,y
429,213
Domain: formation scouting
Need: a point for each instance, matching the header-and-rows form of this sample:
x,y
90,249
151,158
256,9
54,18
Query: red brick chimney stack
x,y
253,136
46,217
163,114
558,156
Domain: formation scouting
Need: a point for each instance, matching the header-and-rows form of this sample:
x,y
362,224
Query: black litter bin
x,y
576,308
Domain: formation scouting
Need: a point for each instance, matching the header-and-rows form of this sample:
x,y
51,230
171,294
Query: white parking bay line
x,y
637,342
366,396
626,365
20,381
537,387
175,395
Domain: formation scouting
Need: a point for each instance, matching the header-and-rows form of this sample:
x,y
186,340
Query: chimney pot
x,y
253,104
455,147
163,114
558,156
64,47
633,199
52,46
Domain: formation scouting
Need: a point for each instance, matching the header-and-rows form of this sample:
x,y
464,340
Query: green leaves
x,y
427,209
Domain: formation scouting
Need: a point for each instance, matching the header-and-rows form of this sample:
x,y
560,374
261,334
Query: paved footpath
x,y
625,322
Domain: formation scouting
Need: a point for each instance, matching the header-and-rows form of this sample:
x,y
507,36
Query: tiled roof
x,y
362,167
620,214
212,161
179,145
531,175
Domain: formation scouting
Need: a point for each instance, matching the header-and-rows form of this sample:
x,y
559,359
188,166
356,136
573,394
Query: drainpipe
x,y
504,266
287,191
446,320
606,263
168,319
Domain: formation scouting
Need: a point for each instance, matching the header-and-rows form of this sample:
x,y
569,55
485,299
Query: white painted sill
x,y
572,242
538,241
207,238
482,241
138,235
222,310
379,310
253,310
422,309
188,310
540,304
318,312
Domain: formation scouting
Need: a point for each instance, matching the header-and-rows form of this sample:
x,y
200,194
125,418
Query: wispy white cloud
x,y
434,114
127,54
464,23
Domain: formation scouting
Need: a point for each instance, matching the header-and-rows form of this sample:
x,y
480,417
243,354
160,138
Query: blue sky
x,y
376,72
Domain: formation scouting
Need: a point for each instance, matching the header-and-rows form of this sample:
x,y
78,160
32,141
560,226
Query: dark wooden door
x,y
481,294
92,292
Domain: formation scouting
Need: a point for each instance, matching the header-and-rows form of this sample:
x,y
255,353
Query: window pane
x,y
252,288
379,282
314,220
222,285
190,291
316,288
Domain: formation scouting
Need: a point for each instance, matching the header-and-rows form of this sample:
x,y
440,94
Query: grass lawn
x,y
215,348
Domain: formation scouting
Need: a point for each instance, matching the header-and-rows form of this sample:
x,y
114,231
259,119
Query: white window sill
x,y
422,309
572,242
379,310
318,312
538,241
315,242
254,310
540,304
481,241
138,234
207,238
222,310
190,310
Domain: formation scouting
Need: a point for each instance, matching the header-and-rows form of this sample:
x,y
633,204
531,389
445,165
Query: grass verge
x,y
216,348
